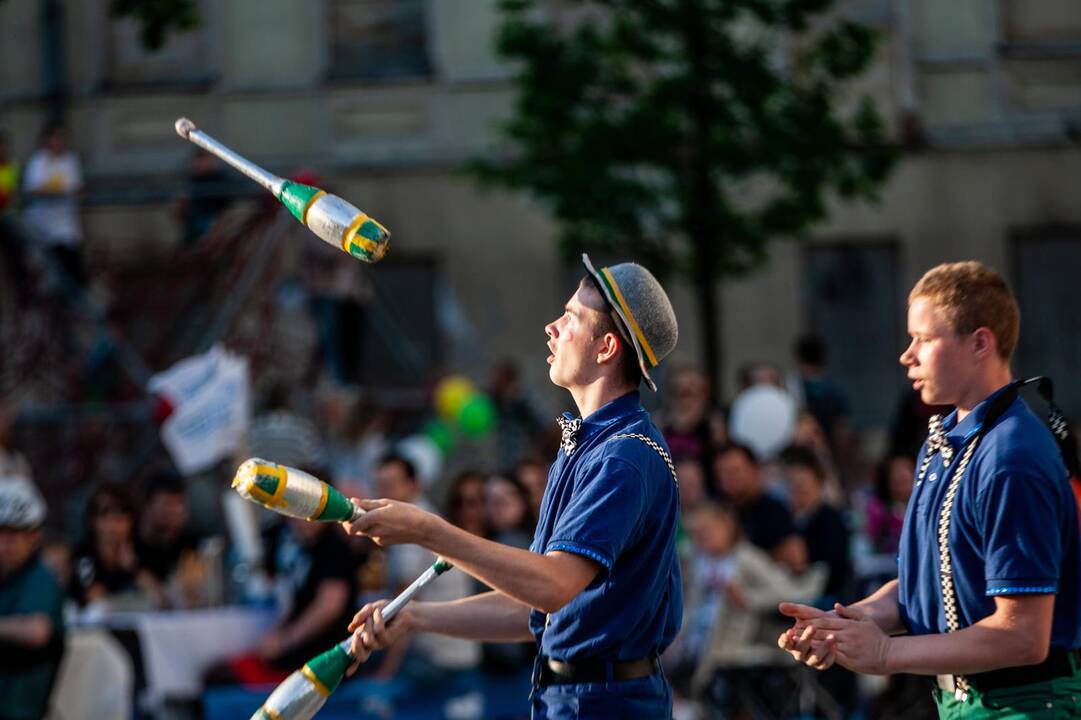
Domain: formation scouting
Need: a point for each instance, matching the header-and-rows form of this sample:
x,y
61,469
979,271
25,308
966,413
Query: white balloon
x,y
763,418
425,455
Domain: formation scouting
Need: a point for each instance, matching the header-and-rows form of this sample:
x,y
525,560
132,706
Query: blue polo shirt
x,y
616,503
1014,529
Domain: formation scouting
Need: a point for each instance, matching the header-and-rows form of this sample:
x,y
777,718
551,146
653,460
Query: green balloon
x,y
440,433
477,416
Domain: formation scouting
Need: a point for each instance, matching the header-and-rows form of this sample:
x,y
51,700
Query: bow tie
x,y
936,440
569,426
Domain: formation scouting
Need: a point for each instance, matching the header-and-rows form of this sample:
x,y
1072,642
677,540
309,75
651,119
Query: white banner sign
x,y
210,395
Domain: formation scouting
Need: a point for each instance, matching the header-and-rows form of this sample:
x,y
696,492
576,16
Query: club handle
x,y
391,609
268,180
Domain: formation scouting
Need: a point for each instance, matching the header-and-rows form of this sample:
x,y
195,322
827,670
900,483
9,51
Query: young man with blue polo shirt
x,y
599,589
989,585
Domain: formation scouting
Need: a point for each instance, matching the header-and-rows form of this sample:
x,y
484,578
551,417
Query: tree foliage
x,y
687,132
158,18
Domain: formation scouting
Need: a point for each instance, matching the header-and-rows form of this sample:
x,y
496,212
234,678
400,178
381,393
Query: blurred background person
x,y
465,504
165,543
107,571
427,659
731,620
885,509
31,604
51,186
518,423
766,521
818,522
207,194
314,578
533,475
691,426
509,518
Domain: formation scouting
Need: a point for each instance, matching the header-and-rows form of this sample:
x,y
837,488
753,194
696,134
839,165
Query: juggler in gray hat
x,y
643,309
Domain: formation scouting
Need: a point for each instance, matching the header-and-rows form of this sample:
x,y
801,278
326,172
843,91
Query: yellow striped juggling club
x,y
303,693
334,220
292,492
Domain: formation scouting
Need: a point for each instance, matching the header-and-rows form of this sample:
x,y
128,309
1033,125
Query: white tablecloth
x,y
180,646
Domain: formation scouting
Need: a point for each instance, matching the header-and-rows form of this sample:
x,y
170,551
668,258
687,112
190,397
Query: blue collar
x,y
608,413
959,433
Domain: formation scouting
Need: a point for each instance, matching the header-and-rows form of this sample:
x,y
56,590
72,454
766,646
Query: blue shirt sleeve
x,y
603,513
1022,545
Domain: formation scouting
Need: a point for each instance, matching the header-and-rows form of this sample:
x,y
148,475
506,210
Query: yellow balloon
x,y
451,395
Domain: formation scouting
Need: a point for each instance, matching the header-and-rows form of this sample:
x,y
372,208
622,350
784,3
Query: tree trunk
x,y
709,318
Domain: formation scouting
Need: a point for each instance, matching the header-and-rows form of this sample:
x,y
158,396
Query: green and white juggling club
x,y
303,693
336,221
292,492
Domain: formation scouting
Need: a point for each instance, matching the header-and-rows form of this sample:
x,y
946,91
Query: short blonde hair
x,y
972,295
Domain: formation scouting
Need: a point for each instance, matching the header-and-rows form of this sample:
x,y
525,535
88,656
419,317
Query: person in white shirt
x,y
52,183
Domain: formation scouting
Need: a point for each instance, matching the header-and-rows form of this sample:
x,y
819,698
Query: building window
x,y
182,61
378,39
1045,262
854,305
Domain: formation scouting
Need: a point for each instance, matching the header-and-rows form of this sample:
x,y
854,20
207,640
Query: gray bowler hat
x,y
642,307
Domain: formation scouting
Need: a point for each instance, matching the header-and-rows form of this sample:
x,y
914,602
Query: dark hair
x,y
404,462
737,447
630,372
882,476
529,520
811,350
115,495
163,480
804,457
277,396
452,504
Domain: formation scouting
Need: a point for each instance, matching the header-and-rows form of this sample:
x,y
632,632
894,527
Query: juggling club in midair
x,y
328,216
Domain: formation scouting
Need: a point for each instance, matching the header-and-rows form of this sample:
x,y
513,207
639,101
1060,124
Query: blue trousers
x,y
648,698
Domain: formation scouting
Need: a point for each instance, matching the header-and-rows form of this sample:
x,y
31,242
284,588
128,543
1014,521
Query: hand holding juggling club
x,y
303,693
334,220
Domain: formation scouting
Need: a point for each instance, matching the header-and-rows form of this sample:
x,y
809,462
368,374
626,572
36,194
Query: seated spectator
x,y
164,542
885,510
31,602
691,427
733,593
692,492
313,573
819,523
509,519
766,520
510,523
465,503
107,570
424,658
533,475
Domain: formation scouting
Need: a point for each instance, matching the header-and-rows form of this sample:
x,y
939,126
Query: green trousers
x,y
1056,699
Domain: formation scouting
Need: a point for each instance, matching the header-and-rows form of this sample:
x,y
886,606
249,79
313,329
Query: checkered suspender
x,y
656,447
945,563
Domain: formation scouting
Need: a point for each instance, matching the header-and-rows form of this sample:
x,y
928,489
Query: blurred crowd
x,y
781,501
811,521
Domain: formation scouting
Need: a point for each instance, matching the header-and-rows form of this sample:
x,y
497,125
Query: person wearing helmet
x,y
31,600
